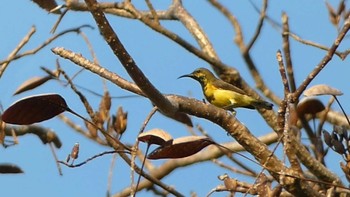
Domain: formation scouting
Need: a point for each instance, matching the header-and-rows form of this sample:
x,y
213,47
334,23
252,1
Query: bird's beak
x,y
188,75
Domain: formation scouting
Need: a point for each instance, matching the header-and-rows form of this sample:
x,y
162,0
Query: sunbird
x,y
225,95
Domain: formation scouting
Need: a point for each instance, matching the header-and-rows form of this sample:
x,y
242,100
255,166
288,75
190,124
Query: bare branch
x,y
324,61
13,54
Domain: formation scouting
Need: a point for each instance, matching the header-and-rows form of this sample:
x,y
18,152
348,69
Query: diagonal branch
x,y
325,59
127,61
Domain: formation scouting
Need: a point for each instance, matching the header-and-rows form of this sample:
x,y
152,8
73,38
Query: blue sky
x,y
162,61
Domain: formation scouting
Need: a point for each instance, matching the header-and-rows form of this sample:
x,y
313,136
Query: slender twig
x,y
259,26
135,148
342,109
153,11
53,29
287,53
283,74
44,44
229,167
12,55
87,105
52,148
194,28
80,130
341,55
127,61
284,114
324,60
92,158
110,174
95,68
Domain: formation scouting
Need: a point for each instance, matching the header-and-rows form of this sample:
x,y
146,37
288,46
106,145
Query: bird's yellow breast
x,y
225,98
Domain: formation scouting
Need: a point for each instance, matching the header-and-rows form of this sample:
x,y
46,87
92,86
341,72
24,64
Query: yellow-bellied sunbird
x,y
225,95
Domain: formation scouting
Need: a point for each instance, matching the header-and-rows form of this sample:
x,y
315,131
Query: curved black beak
x,y
188,75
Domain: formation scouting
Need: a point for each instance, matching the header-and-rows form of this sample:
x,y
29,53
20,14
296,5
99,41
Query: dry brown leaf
x,y
47,5
35,109
341,8
181,147
310,106
120,121
105,106
338,147
333,16
155,136
10,169
327,138
31,84
91,128
322,89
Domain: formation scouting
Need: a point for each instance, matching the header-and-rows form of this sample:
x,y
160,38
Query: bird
x,y
225,95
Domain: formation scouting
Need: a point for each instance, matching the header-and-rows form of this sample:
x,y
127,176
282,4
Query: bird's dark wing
x,y
226,86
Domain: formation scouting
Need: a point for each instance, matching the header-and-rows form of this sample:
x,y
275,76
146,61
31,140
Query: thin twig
x,y
44,44
127,61
135,148
110,174
287,54
13,54
92,158
324,60
259,26
52,148
80,130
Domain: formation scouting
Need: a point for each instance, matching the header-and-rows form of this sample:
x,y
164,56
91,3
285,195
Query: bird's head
x,y
202,75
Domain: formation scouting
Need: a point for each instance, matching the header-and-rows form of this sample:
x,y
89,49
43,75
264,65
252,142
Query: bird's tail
x,y
262,104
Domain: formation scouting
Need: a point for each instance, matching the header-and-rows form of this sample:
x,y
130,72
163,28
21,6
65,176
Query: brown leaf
x,y
333,16
155,136
338,147
31,84
120,121
53,73
181,147
310,106
327,138
91,128
10,169
47,5
35,109
341,7
322,89
105,106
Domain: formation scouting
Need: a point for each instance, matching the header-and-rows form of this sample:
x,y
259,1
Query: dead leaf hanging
x,y
181,147
10,169
120,121
31,84
310,106
35,109
155,136
322,89
48,5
